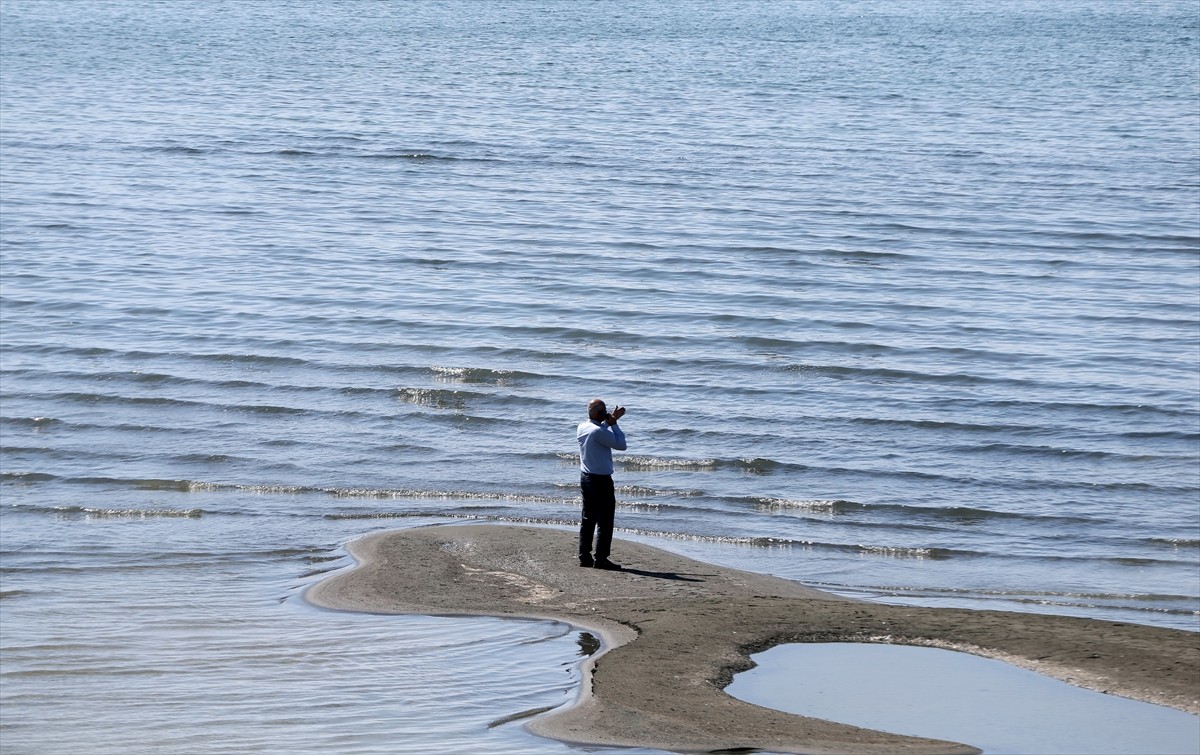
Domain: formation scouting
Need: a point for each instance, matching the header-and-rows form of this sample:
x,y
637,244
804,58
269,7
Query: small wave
x,y
790,254
437,398
1143,320
637,490
884,374
891,551
79,351
354,516
264,489
116,513
354,390
417,156
746,465
34,422
400,155
416,493
269,409
641,490
480,375
1079,604
133,483
1018,449
1191,437
651,506
756,465
929,424
782,504
1000,593
108,398
138,483
887,472
868,255
906,511
195,486
162,401
27,478
289,552
185,486
162,378
249,359
1142,602
649,463
202,458
1174,542
414,155
765,466
1135,561
455,515
1140,411
177,149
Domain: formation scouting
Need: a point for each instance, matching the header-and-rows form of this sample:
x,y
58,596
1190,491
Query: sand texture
x,y
676,630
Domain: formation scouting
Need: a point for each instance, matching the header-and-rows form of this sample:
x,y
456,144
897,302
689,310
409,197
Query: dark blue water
x,y
904,300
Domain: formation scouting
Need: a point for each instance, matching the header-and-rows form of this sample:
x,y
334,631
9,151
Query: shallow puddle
x,y
999,708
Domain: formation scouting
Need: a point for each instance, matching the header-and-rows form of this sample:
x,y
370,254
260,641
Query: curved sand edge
x,y
695,624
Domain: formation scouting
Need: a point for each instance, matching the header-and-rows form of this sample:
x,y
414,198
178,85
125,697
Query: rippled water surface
x,y
902,298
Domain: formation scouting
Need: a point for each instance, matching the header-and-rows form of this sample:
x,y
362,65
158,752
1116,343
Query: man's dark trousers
x,y
599,509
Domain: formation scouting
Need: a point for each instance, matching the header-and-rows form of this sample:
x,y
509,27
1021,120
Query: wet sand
x,y
676,630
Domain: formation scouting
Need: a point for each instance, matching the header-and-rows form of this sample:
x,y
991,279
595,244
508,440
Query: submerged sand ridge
x,y
676,631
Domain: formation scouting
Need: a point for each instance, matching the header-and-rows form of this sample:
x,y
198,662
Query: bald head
x,y
597,410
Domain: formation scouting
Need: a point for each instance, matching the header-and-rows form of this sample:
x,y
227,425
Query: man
x,y
597,438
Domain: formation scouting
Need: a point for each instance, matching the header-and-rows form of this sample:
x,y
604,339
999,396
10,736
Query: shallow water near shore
x,y
901,297
930,692
216,651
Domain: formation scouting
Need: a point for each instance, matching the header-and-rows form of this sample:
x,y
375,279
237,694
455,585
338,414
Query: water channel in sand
x,y
931,692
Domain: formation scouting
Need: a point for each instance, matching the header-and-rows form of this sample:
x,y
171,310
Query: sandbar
x,y
676,630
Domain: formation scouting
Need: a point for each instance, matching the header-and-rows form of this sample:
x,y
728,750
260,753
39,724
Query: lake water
x,y
903,298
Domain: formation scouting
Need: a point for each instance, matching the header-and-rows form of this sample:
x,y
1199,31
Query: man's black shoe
x,y
586,561
604,563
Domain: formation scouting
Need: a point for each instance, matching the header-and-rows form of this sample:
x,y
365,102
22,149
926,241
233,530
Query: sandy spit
x,y
676,630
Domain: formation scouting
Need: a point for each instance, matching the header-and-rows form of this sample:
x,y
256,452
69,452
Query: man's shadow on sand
x,y
662,575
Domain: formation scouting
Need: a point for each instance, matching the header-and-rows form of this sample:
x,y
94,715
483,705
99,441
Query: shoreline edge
x,y
675,631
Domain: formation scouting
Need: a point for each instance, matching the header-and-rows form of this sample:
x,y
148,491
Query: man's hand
x,y
615,415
